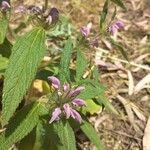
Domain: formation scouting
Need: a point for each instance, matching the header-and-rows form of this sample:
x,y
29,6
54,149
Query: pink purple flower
x,y
115,27
68,101
85,31
5,6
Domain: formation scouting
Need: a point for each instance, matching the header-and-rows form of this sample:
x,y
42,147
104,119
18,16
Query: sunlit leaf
x,y
81,64
26,55
65,61
3,27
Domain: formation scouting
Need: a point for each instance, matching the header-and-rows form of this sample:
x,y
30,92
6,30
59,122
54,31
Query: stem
x,y
46,5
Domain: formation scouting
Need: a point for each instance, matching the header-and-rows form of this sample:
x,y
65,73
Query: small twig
x,y
126,62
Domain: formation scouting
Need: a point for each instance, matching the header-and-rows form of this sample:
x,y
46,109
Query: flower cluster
x,y
67,100
5,6
113,28
48,17
85,31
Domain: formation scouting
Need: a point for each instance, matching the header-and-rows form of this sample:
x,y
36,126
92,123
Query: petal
x,y
55,82
67,110
55,115
120,24
75,115
5,6
85,31
66,87
54,13
76,92
79,102
49,20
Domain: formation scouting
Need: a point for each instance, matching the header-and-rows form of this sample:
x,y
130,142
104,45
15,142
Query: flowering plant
x,y
52,119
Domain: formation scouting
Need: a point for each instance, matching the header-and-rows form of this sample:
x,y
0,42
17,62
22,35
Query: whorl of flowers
x,y
67,101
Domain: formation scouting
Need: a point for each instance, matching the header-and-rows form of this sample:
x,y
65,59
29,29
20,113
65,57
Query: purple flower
x,y
66,87
55,82
66,100
5,6
49,19
54,13
76,92
78,102
69,112
55,115
115,27
85,31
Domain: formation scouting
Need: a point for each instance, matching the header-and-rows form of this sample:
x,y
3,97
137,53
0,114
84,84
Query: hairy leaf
x,y
66,136
65,61
104,15
46,138
3,27
90,132
26,55
80,65
119,3
22,124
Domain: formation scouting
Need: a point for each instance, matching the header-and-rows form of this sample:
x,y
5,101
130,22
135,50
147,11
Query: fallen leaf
x,y
146,137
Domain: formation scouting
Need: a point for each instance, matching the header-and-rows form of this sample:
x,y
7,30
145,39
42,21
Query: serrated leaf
x,y
46,138
22,124
5,48
80,65
119,3
66,135
26,55
90,132
65,61
27,142
3,27
104,15
91,91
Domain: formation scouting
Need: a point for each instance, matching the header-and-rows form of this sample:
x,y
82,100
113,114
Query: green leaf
x,y
119,3
3,63
21,125
90,132
26,55
103,100
65,61
46,138
81,64
66,135
27,142
91,107
5,48
3,27
91,91
121,49
104,15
